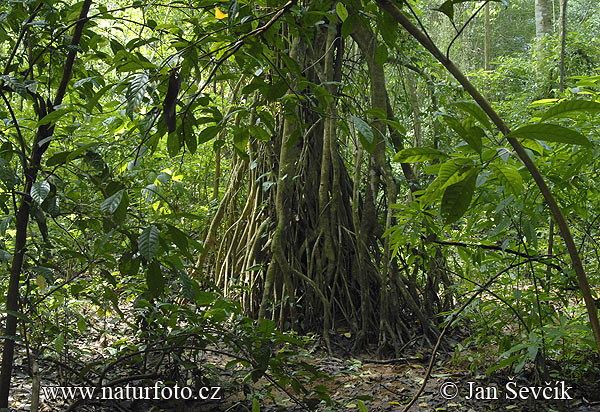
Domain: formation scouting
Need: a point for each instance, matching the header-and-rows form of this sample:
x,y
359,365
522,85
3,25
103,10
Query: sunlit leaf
x,y
550,133
567,107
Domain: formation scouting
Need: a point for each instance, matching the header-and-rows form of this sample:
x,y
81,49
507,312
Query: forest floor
x,y
382,385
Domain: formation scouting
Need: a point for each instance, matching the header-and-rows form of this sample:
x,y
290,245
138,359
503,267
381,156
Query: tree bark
x,y
563,41
543,18
488,39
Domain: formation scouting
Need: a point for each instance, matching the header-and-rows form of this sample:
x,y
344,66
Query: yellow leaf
x,y
41,282
219,15
348,335
395,403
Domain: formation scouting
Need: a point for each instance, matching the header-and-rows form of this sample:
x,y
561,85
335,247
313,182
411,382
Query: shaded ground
x,y
382,386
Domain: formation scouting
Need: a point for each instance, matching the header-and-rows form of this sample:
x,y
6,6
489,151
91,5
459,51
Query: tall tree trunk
x,y
563,41
543,18
543,28
488,40
288,157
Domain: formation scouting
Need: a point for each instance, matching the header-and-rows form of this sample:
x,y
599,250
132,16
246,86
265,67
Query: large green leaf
x,y
365,134
418,154
173,143
569,106
341,11
453,171
53,117
550,133
208,133
110,205
530,234
136,92
155,279
457,197
509,177
148,242
474,110
39,191
472,135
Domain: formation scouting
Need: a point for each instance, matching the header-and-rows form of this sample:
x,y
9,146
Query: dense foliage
x,y
226,177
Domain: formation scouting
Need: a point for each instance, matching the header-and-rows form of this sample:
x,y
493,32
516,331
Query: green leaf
x,y
365,133
530,234
57,159
453,171
569,106
173,144
111,204
341,11
121,212
148,242
550,133
509,177
457,198
361,405
419,154
204,298
59,342
208,133
347,27
178,237
381,54
53,117
136,92
155,279
39,191
471,135
474,110
255,404
277,90
188,136
503,363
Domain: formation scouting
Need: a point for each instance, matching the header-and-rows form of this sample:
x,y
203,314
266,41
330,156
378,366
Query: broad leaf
x,y
53,117
136,92
472,135
341,11
110,205
453,171
39,191
208,133
148,242
457,198
530,234
365,133
509,177
173,143
474,110
155,279
567,107
550,133
419,154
